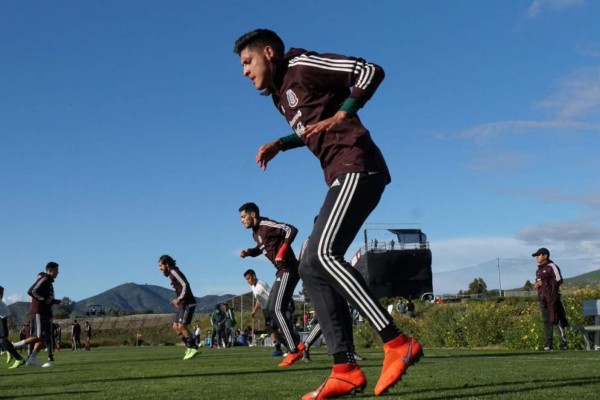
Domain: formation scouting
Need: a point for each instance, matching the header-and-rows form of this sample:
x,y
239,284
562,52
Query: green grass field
x,y
251,373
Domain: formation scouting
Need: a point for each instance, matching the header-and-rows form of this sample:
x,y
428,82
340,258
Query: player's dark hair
x,y
51,265
259,38
168,260
249,272
250,208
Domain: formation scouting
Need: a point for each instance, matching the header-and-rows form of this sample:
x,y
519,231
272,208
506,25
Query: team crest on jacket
x,y
292,98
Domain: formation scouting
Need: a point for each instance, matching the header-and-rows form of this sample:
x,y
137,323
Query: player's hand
x,y
244,253
278,261
325,125
266,153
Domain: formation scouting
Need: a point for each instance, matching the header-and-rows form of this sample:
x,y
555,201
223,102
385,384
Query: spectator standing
x,y
230,324
75,336
87,330
548,279
218,322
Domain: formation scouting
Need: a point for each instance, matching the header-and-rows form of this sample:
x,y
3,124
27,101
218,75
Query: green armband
x,y
290,142
351,106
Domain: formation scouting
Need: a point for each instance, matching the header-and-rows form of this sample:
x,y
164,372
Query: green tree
x,y
528,286
478,286
65,308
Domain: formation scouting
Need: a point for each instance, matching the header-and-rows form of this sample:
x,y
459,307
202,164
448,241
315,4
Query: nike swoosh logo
x,y
406,359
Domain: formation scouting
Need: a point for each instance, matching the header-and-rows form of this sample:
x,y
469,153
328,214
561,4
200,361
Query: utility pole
x,y
499,280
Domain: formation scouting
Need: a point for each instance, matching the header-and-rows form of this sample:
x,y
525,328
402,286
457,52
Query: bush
x,y
513,322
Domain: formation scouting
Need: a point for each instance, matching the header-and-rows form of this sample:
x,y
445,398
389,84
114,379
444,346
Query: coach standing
x,y
547,281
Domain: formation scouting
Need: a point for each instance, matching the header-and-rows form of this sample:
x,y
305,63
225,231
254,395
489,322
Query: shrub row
x,y
506,322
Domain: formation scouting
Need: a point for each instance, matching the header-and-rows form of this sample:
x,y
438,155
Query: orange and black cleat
x,y
339,384
293,357
400,354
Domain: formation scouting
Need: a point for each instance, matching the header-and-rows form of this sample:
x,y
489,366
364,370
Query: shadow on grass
x,y
502,388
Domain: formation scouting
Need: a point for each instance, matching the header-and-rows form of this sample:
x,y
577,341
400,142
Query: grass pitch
x,y
251,373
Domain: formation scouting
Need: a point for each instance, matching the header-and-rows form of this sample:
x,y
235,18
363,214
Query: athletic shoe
x,y
277,353
293,357
358,357
548,348
17,364
564,347
339,384
47,365
8,357
306,356
191,353
50,358
32,363
397,360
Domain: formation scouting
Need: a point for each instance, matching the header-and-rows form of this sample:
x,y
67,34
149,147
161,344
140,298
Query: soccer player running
x,y
185,302
320,95
40,309
273,239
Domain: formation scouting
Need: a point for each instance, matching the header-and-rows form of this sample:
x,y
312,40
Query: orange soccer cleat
x,y
398,357
339,384
293,357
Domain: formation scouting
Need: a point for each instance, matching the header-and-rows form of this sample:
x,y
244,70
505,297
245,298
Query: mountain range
x,y
130,298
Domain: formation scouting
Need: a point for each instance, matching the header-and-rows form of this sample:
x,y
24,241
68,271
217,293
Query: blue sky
x,y
128,131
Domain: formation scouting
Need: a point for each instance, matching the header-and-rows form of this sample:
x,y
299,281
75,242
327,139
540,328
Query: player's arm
x,y
334,70
252,252
256,308
288,232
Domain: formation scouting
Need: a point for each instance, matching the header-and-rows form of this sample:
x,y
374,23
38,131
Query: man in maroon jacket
x,y
547,281
273,239
319,95
40,310
185,303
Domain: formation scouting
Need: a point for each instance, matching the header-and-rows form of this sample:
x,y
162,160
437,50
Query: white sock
x,y
33,356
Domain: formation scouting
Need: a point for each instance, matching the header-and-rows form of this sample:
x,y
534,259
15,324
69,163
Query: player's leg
x,y
39,331
6,345
346,207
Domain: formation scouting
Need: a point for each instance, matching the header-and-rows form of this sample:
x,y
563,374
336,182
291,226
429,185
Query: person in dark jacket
x,y
547,281
274,239
184,302
40,310
319,95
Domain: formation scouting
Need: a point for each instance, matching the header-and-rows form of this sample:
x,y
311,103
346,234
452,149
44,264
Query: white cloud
x,y
578,95
499,162
488,132
539,6
575,246
556,195
14,298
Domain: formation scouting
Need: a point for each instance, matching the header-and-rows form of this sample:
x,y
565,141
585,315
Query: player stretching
x,y
273,239
319,95
185,304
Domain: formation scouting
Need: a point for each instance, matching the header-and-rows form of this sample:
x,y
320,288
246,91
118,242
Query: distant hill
x,y
133,297
129,297
589,278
